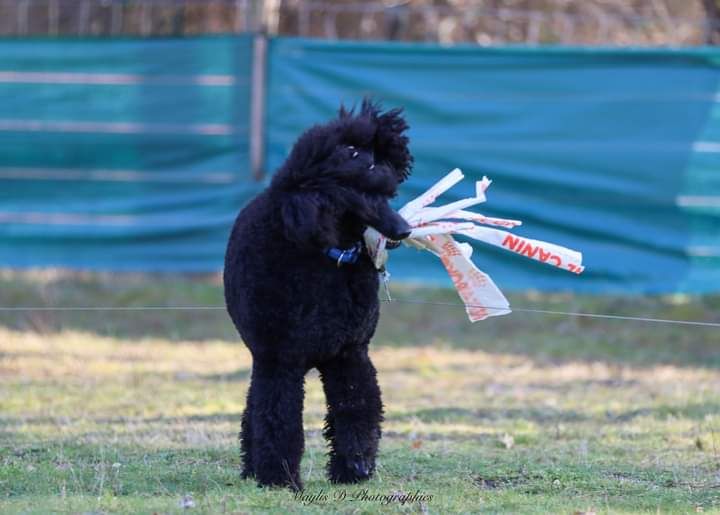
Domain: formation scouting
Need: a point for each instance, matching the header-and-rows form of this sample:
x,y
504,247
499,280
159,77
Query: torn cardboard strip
x,y
432,230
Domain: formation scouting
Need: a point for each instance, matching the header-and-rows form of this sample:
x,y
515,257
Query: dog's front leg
x,y
276,397
352,425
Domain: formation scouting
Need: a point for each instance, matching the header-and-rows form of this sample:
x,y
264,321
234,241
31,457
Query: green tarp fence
x,y
122,154
614,152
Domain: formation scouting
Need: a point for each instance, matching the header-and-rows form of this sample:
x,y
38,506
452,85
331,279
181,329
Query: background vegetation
x,y
138,411
593,22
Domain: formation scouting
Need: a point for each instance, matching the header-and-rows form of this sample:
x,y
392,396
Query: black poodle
x,y
303,293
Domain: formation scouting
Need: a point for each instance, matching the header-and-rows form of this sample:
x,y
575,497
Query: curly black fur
x,y
296,309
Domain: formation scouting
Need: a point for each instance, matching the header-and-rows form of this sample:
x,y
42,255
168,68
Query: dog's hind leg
x,y
277,438
352,425
248,469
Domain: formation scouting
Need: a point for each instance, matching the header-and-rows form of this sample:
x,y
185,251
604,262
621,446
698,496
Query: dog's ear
x,y
309,220
391,143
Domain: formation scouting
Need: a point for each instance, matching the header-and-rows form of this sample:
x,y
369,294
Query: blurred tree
x,y
712,11
589,22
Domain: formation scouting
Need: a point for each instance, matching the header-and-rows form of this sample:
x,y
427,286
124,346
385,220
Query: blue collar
x,y
347,256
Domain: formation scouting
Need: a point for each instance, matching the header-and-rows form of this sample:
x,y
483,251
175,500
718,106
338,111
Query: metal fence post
x,y
257,105
258,84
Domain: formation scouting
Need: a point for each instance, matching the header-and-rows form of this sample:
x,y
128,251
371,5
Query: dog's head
x,y
340,175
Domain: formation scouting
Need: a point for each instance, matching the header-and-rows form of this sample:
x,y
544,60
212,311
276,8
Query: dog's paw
x,y
282,476
350,470
294,484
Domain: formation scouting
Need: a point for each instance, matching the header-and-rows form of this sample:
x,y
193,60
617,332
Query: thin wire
x,y
111,308
402,301
567,313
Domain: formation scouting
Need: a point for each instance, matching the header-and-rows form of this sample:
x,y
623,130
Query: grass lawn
x,y
138,412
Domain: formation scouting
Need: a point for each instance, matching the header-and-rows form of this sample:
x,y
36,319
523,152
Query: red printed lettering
x,y
478,277
477,313
450,249
575,268
511,242
529,250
